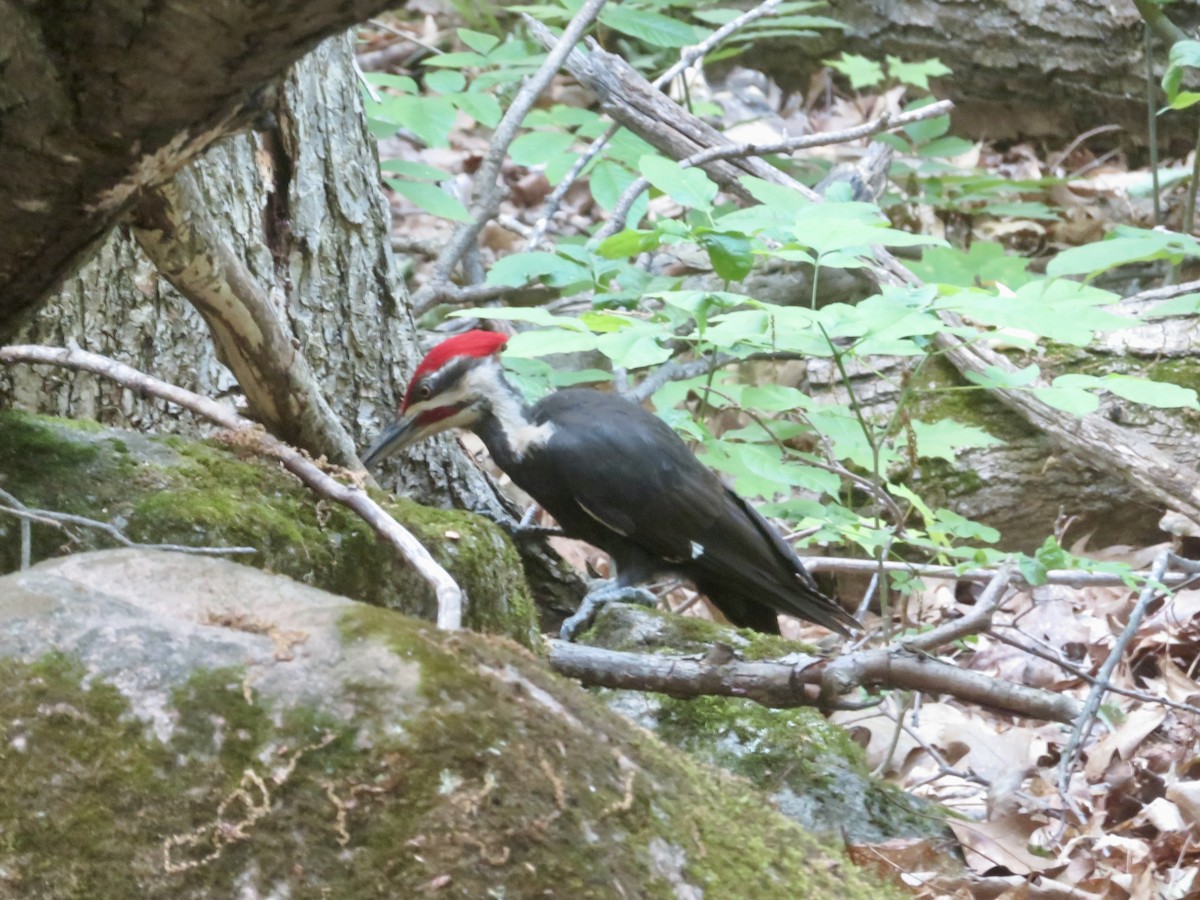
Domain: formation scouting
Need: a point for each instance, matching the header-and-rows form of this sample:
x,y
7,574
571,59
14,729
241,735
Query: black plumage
x,y
618,477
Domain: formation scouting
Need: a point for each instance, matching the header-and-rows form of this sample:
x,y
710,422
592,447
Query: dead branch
x,y
174,227
784,684
11,506
487,183
449,595
616,220
1066,577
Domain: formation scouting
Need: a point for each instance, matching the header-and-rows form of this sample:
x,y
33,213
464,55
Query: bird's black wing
x,y
626,470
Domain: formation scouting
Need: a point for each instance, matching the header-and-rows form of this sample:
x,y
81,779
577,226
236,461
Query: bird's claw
x,y
583,617
518,532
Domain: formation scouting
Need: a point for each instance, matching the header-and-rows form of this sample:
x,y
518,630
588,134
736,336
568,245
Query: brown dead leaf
x,y
1002,844
1186,796
1121,743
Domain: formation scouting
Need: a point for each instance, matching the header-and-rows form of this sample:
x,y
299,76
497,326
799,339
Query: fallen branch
x,y
1066,577
785,684
449,595
11,506
616,219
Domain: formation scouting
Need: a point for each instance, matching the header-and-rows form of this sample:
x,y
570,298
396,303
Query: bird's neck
x,y
506,425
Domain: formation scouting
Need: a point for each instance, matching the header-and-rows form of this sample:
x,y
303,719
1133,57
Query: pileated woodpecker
x,y
618,477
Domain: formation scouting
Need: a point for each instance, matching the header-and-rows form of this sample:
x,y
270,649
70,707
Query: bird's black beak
x,y
395,437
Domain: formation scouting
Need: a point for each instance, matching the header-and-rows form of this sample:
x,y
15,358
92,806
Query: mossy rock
x,y
184,727
810,767
169,490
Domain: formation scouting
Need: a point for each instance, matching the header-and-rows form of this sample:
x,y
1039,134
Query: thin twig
x,y
1066,577
449,595
1087,716
979,619
60,519
490,189
616,219
686,58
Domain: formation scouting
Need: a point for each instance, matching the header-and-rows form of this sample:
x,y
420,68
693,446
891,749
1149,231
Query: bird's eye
x,y
424,391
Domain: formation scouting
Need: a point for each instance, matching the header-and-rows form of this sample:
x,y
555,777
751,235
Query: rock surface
x,y
177,726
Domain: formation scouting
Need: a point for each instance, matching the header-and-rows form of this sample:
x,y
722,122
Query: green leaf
x,y
608,181
1072,400
861,71
1184,100
545,343
651,27
994,378
604,322
1064,311
773,398
1160,394
482,107
477,40
429,118
445,81
916,73
945,438
946,147
403,83
535,148
628,243
1126,245
550,268
984,264
730,254
414,171
689,187
461,60
928,129
633,348
1187,305
432,199
828,227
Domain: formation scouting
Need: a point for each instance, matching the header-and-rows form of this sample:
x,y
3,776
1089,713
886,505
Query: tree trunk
x,y
102,99
1022,486
1021,68
300,210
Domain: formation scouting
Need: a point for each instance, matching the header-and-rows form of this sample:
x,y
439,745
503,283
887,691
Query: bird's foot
x,y
595,600
519,532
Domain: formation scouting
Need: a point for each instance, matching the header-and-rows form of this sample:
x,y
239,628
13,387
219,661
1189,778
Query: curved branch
x,y
449,595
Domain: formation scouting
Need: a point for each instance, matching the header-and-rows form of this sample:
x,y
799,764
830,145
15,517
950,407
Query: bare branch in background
x,y
689,56
616,220
490,190
11,506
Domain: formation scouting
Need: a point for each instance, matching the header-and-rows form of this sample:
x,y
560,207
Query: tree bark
x,y
103,99
295,212
1021,68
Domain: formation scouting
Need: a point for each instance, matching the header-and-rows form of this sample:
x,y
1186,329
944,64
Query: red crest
x,y
470,343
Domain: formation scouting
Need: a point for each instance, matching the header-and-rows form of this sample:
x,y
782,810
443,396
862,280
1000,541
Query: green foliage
x,y
1184,55
832,469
